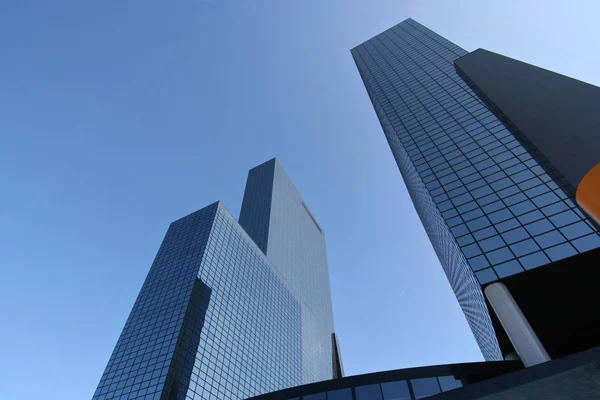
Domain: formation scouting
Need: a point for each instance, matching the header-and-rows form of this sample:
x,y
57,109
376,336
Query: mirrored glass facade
x,y
274,214
412,389
217,319
491,205
571,377
378,386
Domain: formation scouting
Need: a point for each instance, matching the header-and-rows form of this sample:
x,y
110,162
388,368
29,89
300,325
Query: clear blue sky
x,y
118,117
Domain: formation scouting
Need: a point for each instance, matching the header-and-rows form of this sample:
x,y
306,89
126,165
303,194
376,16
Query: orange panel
x,y
588,193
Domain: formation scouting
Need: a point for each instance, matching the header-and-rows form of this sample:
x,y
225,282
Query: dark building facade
x,y
400,384
226,314
574,377
278,220
558,114
495,200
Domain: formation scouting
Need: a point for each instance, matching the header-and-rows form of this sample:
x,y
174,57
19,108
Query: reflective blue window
x,y
536,191
479,262
488,172
395,391
561,251
524,247
454,221
316,396
509,191
539,171
501,184
539,227
576,230
449,383
529,183
446,205
457,192
514,199
515,235
368,392
459,230
490,198
545,199
564,218
530,217
522,208
464,240
462,199
549,239
495,206
433,185
478,223
507,225
453,185
534,260
500,158
569,203
342,394
499,216
554,208
486,275
492,243
481,192
440,198
425,387
522,176
500,255
471,250
587,243
472,214
485,233
467,207
580,214
448,178
475,185
436,192
509,268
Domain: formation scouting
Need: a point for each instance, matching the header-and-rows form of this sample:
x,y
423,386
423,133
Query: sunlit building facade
x,y
230,311
492,204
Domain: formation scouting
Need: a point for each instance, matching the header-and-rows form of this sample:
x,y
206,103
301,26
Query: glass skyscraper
x,y
493,206
230,310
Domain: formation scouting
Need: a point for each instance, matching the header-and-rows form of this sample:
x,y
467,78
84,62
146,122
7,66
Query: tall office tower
x,y
280,223
225,314
487,178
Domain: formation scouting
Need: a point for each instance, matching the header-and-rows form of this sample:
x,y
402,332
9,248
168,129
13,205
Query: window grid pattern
x,y
256,206
141,360
504,205
296,247
251,342
507,210
411,389
461,277
214,320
